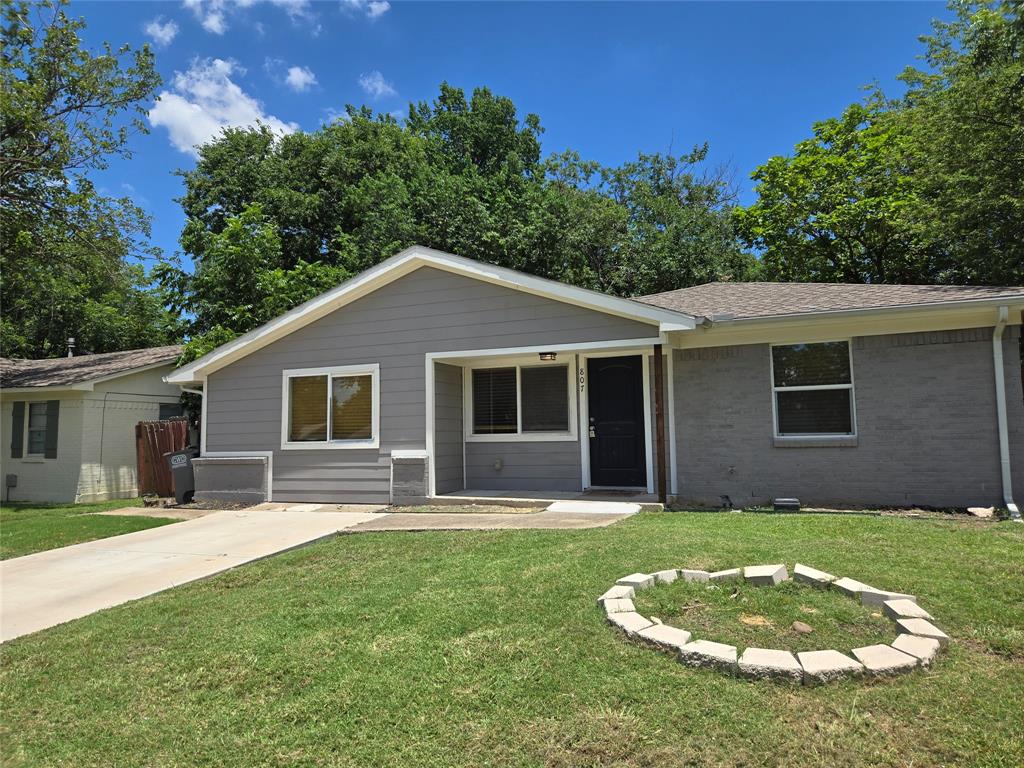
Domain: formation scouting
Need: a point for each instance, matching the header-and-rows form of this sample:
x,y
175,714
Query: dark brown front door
x,y
616,408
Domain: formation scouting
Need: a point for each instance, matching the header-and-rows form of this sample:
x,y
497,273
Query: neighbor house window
x,y
813,389
36,444
331,407
530,401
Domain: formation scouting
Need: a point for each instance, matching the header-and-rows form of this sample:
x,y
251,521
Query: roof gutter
x,y
1004,435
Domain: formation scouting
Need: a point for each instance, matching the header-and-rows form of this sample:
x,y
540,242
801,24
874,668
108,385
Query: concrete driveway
x,y
49,588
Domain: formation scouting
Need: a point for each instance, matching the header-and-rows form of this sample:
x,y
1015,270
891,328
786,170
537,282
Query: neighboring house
x,y
69,422
432,374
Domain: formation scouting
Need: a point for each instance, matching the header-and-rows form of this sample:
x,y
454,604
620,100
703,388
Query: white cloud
x,y
372,8
375,85
213,14
300,78
162,32
204,100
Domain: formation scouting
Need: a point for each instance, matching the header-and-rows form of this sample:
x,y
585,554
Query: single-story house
x,y
432,375
70,422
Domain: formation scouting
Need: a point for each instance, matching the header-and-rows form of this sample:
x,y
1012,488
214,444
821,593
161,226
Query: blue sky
x,y
607,79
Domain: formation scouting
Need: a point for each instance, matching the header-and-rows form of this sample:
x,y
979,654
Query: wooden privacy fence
x,y
152,440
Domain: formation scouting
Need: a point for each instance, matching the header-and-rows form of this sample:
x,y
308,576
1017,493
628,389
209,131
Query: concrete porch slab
x,y
595,507
646,501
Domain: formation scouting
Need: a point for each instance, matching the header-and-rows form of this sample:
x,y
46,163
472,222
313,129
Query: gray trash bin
x,y
180,463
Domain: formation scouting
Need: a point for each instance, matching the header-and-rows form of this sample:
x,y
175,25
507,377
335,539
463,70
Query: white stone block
x,y
730,574
924,628
827,666
616,593
925,649
765,575
665,577
705,653
764,663
664,637
630,623
619,605
636,581
850,587
807,575
904,609
884,660
877,597
687,574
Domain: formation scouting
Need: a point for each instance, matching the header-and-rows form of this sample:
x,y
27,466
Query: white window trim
x,y
775,390
372,370
567,436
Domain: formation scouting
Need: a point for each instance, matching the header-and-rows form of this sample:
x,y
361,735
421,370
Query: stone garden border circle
x,y
917,644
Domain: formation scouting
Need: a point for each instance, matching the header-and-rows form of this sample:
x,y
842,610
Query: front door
x,y
616,409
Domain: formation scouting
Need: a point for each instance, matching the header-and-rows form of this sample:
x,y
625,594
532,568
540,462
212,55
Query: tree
x,y
926,188
837,210
68,255
463,175
963,119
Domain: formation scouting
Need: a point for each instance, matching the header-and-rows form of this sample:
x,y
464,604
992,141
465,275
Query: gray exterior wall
x,y
447,427
926,423
429,310
525,466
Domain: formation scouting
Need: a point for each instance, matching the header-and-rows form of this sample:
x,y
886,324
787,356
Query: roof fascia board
x,y
400,265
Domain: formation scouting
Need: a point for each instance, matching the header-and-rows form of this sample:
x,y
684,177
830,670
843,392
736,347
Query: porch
x,y
527,426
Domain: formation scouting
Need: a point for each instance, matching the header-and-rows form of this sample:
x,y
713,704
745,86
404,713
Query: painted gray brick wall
x,y
429,310
448,428
926,422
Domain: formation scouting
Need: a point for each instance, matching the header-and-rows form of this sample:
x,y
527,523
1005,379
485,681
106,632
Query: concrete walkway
x,y
49,588
470,521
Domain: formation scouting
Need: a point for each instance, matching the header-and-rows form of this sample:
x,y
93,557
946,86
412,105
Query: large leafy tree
x,y
925,188
70,258
461,174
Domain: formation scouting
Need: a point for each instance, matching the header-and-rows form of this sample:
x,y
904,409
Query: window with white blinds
x,y
521,401
331,408
813,389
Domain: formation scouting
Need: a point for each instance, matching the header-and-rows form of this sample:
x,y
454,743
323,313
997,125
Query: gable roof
x,y
402,264
748,301
82,369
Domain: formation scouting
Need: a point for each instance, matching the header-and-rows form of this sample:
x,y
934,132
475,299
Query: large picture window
x,y
531,402
813,389
331,408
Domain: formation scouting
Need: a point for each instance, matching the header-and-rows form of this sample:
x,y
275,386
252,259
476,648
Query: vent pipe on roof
x,y
71,346
1004,436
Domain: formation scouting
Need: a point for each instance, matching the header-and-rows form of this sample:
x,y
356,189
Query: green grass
x,y
27,527
487,648
742,615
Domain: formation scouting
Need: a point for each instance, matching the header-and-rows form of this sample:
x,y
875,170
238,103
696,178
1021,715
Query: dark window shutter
x,y
52,416
17,428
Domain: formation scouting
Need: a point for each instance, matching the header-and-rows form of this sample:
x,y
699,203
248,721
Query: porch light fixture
x,y
548,355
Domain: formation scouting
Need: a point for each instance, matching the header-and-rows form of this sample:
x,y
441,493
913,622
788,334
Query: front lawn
x,y
27,527
487,648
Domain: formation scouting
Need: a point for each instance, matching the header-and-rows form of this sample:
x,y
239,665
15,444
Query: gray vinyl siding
x,y
429,310
926,424
536,466
448,427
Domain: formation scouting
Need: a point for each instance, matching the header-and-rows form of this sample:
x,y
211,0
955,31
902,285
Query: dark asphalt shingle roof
x,y
754,300
66,371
